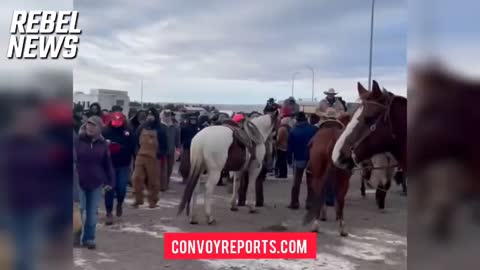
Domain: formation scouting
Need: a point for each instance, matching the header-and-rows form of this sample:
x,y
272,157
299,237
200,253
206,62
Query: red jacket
x,y
105,118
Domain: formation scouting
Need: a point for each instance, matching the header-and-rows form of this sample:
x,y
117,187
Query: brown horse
x,y
444,145
324,174
379,125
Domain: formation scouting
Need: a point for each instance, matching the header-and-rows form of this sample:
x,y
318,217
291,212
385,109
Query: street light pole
x,y
371,47
141,93
313,81
293,82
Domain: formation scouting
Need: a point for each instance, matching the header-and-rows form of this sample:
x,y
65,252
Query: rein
x,y
386,117
375,168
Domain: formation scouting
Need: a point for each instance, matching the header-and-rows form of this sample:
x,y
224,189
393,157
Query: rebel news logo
x,y
44,34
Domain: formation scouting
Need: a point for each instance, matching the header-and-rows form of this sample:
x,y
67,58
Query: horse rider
x,y
271,106
331,101
290,107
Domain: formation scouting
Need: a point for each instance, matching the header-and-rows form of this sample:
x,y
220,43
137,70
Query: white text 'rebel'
x,y
44,35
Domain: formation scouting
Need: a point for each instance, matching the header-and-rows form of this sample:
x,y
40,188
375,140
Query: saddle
x,y
330,122
246,134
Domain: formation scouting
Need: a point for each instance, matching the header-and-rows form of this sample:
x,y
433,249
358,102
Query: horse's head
x,y
369,131
267,123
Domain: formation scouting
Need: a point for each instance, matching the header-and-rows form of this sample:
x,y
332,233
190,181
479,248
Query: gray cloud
x,y
242,48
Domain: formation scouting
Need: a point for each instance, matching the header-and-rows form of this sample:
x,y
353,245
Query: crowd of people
x,y
112,150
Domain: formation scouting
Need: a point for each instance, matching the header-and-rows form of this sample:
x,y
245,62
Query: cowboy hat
x,y
331,113
330,91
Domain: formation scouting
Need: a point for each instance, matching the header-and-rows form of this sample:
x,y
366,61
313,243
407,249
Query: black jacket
x,y
187,134
121,145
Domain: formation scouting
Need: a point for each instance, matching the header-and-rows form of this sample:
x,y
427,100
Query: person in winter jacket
x,y
121,145
172,142
187,133
94,110
281,168
290,108
298,140
95,171
78,117
137,120
150,144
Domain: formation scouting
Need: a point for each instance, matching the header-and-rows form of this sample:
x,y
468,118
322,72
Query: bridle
x,y
385,116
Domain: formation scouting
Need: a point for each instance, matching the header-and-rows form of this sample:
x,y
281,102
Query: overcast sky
x,y
238,52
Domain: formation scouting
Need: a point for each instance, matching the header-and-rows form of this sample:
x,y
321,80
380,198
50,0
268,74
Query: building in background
x,y
105,97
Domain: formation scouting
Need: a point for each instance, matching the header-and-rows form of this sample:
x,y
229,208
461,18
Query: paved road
x,y
377,239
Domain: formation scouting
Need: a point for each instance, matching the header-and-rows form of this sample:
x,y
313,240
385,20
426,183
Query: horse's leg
x,y
253,173
381,194
362,188
209,187
404,187
323,213
342,189
316,222
242,190
236,181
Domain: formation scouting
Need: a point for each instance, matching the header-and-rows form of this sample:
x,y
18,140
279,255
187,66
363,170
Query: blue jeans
x,y
27,229
89,200
121,181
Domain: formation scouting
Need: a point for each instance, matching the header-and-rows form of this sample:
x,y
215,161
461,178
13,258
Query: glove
x,y
107,188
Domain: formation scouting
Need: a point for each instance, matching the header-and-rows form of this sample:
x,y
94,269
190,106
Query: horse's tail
x,y
319,198
196,169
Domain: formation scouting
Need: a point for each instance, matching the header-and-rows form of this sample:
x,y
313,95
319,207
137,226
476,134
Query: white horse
x,y
209,153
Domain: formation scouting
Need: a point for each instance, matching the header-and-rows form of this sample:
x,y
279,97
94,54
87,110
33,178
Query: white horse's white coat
x,y
209,152
343,137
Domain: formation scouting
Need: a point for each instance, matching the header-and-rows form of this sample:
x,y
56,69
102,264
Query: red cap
x,y
117,119
238,117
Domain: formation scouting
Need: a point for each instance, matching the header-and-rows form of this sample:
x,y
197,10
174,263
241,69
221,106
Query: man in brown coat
x,y
281,168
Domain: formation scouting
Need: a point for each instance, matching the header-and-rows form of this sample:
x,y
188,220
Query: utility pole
x,y
313,81
141,93
371,48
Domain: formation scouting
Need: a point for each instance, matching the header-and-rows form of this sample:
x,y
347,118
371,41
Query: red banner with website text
x,y
240,245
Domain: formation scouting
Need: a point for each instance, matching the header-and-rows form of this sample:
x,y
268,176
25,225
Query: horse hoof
x,y
193,222
253,211
343,234
234,209
324,219
212,222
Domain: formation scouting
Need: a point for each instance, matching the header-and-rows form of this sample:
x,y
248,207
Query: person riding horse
x,y
331,101
271,106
